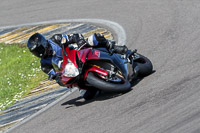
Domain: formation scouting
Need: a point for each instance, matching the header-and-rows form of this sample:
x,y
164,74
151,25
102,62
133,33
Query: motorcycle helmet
x,y
38,45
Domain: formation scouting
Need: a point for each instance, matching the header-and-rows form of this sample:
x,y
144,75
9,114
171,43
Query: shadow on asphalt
x,y
79,101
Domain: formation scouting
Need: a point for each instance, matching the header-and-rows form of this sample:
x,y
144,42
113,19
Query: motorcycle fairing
x,y
117,61
92,54
70,57
101,54
88,54
97,70
80,56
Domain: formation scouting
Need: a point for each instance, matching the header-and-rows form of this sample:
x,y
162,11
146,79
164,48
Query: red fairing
x,y
83,54
89,53
97,70
72,57
65,79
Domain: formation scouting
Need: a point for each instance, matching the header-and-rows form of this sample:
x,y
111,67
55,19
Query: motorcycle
x,y
103,69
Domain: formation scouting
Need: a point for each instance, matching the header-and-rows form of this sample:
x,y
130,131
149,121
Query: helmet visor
x,y
39,51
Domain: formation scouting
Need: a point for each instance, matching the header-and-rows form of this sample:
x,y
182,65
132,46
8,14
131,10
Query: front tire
x,y
145,66
107,86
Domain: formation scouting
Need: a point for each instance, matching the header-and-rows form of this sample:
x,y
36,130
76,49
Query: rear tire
x,y
145,66
101,84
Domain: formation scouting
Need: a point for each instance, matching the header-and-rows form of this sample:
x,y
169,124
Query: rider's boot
x,y
90,93
100,41
116,48
120,49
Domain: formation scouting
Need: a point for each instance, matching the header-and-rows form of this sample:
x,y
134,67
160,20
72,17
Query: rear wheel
x,y
145,66
111,86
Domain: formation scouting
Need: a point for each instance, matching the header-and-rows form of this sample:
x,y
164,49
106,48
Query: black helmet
x,y
38,45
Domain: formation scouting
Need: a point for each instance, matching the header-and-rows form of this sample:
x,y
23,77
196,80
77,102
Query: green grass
x,y
19,72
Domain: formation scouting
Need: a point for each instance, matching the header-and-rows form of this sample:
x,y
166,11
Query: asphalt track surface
x,y
168,101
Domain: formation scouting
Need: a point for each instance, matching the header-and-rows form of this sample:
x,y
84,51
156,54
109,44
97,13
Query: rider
x,y
50,51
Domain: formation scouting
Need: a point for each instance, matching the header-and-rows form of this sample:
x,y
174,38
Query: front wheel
x,y
101,84
145,66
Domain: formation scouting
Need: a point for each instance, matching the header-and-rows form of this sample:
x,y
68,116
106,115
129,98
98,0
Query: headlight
x,y
71,70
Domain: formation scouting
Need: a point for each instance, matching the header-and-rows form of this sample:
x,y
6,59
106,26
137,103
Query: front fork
x,y
131,56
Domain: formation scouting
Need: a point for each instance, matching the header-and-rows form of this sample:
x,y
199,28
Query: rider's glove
x,y
58,79
52,77
79,39
99,37
59,39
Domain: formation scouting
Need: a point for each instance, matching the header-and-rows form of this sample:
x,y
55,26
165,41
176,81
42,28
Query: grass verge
x,y
20,71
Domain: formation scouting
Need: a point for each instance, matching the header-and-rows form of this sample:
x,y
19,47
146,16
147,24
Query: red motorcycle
x,y
102,69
